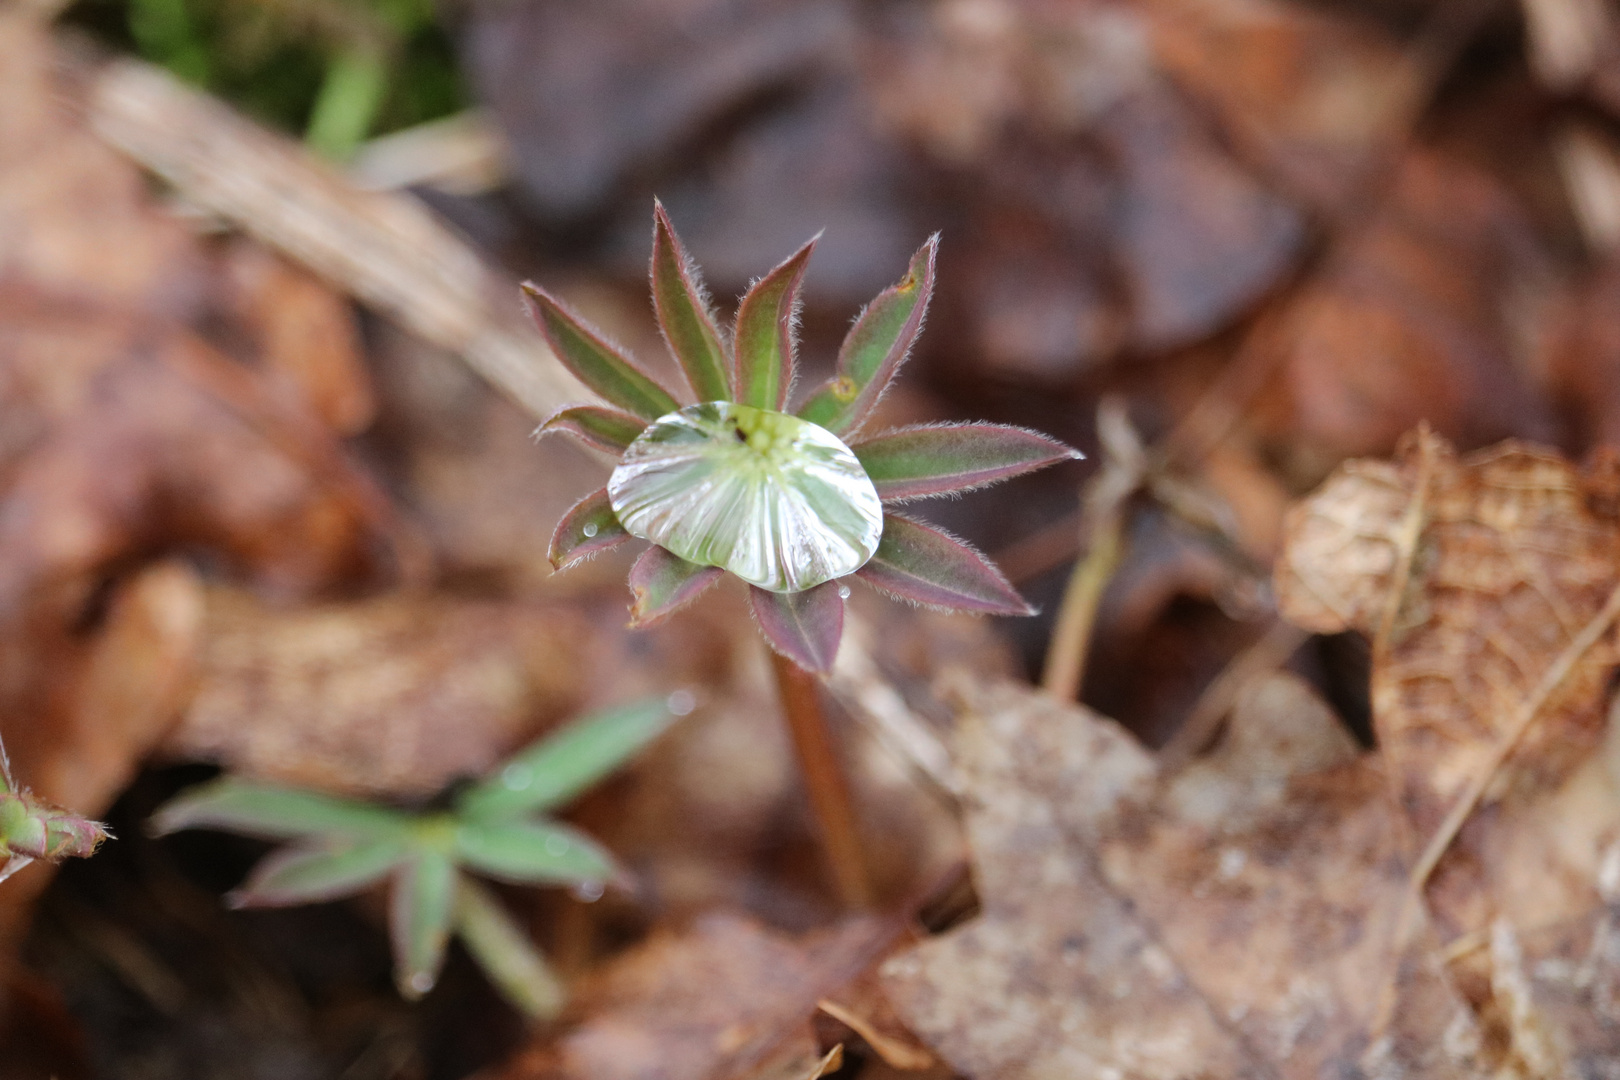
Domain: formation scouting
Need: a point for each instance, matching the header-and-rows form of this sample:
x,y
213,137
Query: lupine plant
x,y
496,828
31,829
794,503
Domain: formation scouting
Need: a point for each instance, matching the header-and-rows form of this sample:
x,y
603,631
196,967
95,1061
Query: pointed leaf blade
x,y
608,430
556,768
596,362
273,813
804,626
588,529
764,336
314,873
663,583
928,565
684,316
419,914
533,853
505,952
875,347
937,459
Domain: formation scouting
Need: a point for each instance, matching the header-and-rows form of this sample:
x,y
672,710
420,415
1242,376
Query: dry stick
x,y
1077,613
824,780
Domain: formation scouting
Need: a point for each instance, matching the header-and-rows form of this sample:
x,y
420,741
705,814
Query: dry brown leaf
x,y
1474,577
1134,926
395,696
723,1000
1427,313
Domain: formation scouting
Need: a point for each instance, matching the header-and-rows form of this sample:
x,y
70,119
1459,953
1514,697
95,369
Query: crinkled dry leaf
x,y
1132,926
1500,560
397,696
721,1001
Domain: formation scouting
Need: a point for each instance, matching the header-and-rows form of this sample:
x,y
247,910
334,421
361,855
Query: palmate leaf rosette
x,y
430,859
790,502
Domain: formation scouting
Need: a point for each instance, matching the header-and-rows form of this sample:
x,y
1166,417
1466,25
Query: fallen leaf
x,y
722,1000
396,696
1473,577
1131,928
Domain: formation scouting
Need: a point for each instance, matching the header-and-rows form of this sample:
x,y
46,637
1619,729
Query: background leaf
x,y
533,853
419,920
505,952
311,873
555,769
274,813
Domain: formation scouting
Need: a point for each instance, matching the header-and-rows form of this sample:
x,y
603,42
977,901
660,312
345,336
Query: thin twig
x,y
824,780
1077,614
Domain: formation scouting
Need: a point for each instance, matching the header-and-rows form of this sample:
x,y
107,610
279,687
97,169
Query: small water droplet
x,y
843,592
556,845
421,982
681,702
517,776
587,892
590,528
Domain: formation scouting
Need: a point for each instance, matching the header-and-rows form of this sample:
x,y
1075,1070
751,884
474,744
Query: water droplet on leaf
x,y
680,703
556,845
590,528
843,592
778,501
421,982
588,892
517,776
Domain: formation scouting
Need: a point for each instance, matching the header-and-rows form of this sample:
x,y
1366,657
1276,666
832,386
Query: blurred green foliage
x,y
339,71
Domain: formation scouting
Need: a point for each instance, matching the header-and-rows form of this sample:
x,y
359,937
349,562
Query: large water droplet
x,y
778,501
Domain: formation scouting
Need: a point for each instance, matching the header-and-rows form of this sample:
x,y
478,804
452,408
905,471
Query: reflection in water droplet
x,y
517,776
421,982
681,702
778,501
588,892
590,528
556,845
843,592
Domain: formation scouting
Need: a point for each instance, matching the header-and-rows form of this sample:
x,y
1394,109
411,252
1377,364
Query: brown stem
x,y
824,781
1077,613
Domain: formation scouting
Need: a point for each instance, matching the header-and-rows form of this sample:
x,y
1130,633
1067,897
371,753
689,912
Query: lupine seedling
x,y
495,828
793,503
31,829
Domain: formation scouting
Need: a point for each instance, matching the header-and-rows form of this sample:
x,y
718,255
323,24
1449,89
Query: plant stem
x,y
1077,614
824,780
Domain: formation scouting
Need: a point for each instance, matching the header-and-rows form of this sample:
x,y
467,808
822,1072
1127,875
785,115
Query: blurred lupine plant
x,y
779,499
495,828
31,829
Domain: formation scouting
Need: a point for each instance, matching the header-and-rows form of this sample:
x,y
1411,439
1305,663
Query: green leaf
x,y
929,566
553,770
781,503
684,316
764,337
804,626
274,813
313,873
598,364
419,920
937,459
600,428
533,853
875,348
662,583
506,954
589,528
